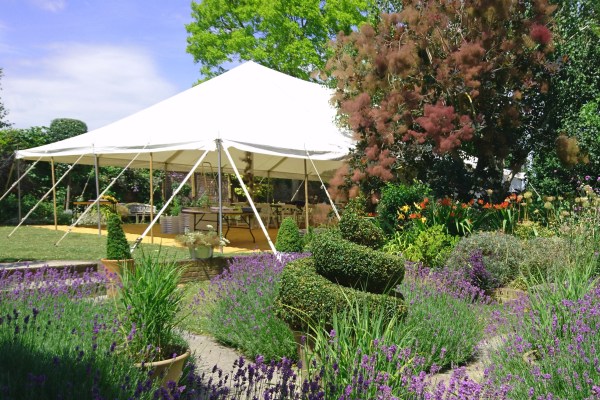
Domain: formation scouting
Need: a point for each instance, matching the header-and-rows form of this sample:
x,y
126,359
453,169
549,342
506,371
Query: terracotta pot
x,y
113,269
166,370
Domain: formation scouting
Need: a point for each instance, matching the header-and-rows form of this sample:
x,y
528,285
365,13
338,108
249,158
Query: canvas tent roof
x,y
252,108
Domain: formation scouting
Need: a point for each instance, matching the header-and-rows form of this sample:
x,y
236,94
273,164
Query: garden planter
x,y
113,270
166,370
170,224
201,253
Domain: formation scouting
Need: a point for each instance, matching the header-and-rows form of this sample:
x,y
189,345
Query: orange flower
x,y
480,202
414,216
452,214
486,205
464,205
445,201
471,202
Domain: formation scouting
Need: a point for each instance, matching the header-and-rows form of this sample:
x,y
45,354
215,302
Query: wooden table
x,y
85,204
228,217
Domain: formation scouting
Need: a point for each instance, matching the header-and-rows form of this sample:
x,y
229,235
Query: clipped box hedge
x,y
307,297
356,266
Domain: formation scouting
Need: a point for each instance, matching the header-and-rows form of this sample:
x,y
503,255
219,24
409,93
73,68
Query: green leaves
x,y
289,36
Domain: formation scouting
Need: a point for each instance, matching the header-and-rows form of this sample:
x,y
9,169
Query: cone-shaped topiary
x,y
117,247
288,237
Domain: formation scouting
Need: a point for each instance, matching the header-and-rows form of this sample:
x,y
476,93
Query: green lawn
x,y
29,244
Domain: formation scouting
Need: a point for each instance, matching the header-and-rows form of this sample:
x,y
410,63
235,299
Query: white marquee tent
x,y
283,121
252,108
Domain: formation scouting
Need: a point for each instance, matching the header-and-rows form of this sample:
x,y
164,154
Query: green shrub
x,y
117,247
432,246
531,229
361,230
502,254
392,198
542,255
306,298
353,265
288,237
357,205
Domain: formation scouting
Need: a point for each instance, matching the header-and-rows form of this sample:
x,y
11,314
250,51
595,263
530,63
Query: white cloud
x,y
50,5
95,84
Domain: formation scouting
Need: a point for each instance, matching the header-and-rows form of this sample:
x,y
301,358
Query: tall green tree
x,y
445,80
291,36
3,111
573,107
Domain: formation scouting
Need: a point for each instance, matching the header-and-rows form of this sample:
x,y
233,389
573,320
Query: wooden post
x,y
151,197
54,194
306,195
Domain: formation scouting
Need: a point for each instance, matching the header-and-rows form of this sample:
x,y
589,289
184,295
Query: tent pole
x,y
219,179
306,195
162,210
97,193
245,189
323,186
54,193
44,197
97,201
151,195
18,181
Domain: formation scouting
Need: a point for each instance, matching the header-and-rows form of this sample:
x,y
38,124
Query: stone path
x,y
210,353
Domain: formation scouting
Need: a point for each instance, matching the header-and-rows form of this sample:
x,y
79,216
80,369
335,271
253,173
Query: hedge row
x,y
352,265
307,297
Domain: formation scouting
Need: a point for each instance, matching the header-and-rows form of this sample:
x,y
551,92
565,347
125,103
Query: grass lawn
x,y
31,244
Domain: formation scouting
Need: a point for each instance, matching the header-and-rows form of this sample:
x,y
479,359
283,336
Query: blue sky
x,y
93,60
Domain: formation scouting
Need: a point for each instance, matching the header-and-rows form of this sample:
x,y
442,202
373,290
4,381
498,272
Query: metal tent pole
x,y
306,195
219,180
162,210
97,193
151,195
245,189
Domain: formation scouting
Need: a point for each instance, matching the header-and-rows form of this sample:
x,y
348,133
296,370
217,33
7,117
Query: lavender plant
x,y
559,360
57,340
446,315
239,304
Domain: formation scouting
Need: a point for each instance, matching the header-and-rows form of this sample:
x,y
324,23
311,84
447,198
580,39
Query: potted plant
x,y
118,254
151,302
201,244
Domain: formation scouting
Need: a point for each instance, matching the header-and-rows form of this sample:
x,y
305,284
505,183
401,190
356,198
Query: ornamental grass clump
x,y
151,301
239,307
